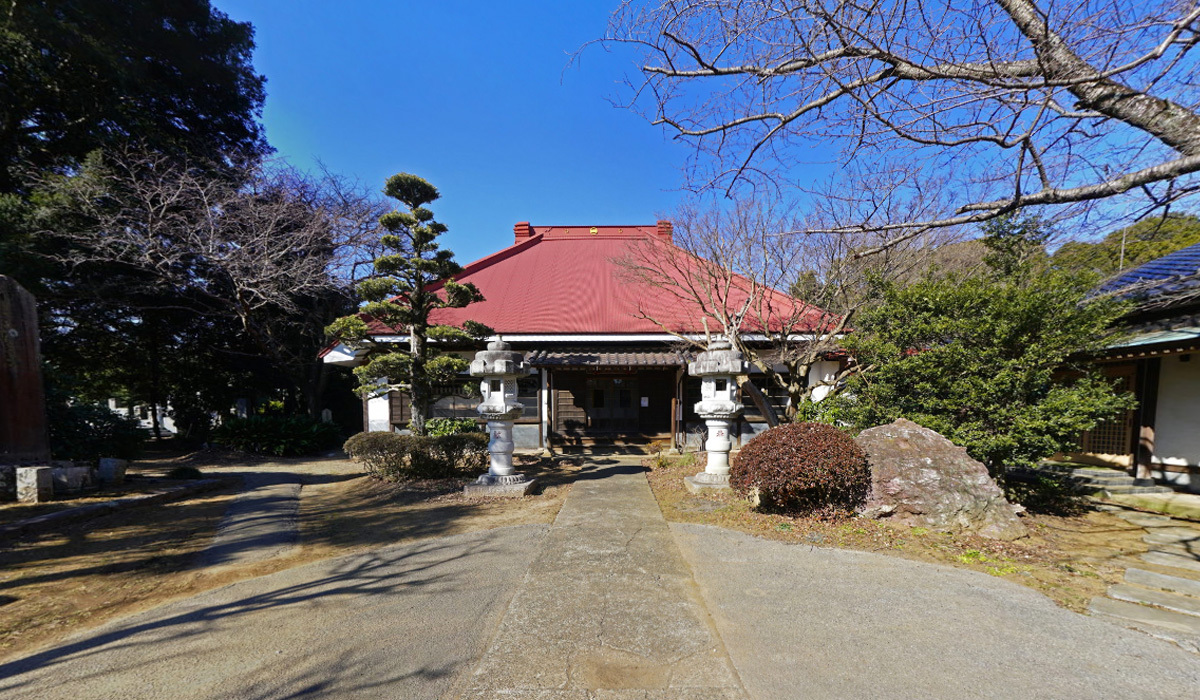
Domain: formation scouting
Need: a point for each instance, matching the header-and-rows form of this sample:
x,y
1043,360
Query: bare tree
x,y
933,113
272,248
727,267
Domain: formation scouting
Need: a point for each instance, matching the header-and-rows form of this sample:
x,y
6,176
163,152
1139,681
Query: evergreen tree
x,y
414,278
995,362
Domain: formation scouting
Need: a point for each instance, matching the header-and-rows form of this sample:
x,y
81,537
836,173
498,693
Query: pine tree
x,y
414,277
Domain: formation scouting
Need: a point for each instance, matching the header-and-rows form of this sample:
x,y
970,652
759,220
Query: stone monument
x,y
500,367
24,439
717,368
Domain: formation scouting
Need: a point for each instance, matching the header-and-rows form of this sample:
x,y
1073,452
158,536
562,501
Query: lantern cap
x,y
720,358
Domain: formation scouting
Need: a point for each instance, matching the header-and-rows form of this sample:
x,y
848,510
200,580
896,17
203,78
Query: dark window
x,y
624,398
722,384
495,386
691,395
455,406
529,394
597,398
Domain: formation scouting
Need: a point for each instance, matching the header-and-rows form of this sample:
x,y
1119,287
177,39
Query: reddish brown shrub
x,y
803,468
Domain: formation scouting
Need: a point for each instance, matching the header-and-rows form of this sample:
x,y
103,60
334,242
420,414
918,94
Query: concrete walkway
x,y
261,523
610,603
399,622
607,605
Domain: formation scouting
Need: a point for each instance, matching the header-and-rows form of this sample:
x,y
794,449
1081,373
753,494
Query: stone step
x,y
1123,490
1187,626
1182,604
1183,550
1167,582
1147,520
1173,535
1173,560
1097,471
1114,480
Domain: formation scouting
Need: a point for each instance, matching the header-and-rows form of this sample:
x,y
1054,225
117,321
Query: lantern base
x,y
706,480
511,485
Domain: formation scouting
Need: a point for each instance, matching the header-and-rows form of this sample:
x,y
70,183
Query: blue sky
x,y
480,98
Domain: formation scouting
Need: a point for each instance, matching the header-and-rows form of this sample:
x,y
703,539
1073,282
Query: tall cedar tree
x,y
995,362
414,277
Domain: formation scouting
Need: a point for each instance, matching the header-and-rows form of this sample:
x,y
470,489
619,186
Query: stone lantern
x,y
717,369
499,368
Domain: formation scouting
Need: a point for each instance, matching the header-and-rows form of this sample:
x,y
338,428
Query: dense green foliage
x,y
96,75
171,266
803,468
995,362
1130,246
396,457
451,426
88,431
223,289
89,74
414,277
281,436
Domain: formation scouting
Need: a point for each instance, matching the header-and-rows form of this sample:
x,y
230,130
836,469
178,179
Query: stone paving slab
x,y
608,609
1189,561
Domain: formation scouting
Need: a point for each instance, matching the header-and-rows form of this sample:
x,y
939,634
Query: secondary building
x,y
1159,361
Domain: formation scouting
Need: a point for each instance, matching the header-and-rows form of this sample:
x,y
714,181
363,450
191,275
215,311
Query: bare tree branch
x,y
1005,104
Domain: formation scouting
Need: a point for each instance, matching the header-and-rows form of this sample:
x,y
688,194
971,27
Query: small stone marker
x,y
717,368
499,367
112,471
72,479
34,484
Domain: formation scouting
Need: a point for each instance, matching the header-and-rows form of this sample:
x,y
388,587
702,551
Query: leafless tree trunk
x,y
928,113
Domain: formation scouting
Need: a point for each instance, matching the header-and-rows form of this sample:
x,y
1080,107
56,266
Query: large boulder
x,y
920,478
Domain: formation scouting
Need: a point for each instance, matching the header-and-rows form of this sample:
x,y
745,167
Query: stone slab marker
x,y
34,484
23,435
112,470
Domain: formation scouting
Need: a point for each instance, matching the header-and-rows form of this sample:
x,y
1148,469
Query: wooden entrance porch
x,y
592,406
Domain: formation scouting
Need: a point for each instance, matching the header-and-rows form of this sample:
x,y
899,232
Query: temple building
x,y
607,344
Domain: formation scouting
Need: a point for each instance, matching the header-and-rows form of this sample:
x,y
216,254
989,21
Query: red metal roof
x,y
565,280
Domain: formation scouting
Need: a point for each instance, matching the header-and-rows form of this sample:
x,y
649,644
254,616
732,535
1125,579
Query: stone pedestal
x,y
34,484
112,471
500,448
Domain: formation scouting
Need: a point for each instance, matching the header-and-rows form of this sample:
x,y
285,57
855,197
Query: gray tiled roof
x,y
605,357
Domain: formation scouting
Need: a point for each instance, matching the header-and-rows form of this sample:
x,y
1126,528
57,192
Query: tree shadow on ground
x,y
367,576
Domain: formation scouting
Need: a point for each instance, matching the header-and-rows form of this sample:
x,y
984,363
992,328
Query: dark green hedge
x,y
281,436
